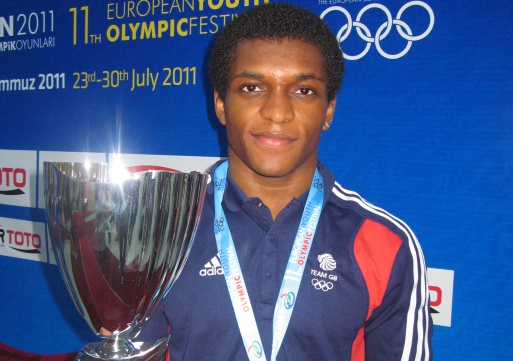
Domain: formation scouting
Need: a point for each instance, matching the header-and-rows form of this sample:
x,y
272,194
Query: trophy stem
x,y
118,349
109,347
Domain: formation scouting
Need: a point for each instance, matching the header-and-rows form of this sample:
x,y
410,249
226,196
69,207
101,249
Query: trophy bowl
x,y
120,246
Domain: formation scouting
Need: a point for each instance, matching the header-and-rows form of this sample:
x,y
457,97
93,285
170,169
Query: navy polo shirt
x,y
363,294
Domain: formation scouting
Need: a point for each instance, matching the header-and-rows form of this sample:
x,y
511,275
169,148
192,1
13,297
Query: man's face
x,y
275,107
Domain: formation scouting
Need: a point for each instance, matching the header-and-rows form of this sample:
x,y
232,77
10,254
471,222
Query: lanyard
x,y
293,273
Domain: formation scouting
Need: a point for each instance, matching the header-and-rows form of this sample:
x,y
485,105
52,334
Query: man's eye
x,y
305,91
250,88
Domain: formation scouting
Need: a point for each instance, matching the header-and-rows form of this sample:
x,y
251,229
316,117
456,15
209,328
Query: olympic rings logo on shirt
x,y
363,31
322,285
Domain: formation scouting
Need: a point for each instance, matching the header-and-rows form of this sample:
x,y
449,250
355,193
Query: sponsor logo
x,y
134,169
362,30
212,268
17,177
288,299
256,349
13,179
322,285
327,263
441,284
22,239
184,164
435,298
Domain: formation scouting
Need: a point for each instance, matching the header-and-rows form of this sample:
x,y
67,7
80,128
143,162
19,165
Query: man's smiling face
x,y
276,106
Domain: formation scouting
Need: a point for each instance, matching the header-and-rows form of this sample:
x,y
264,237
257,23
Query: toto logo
x,y
26,242
364,33
435,297
134,169
13,177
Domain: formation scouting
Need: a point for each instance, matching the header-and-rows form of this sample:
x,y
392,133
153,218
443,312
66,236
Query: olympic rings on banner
x,y
363,31
322,285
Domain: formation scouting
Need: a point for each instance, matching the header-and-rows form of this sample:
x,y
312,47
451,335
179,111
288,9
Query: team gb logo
x,y
327,262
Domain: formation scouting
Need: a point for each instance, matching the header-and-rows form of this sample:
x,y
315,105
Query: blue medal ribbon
x,y
293,273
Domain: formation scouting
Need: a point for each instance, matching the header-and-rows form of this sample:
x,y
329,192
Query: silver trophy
x,y
120,246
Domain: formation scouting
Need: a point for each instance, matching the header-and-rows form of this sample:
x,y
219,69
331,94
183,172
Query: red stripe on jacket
x,y
375,249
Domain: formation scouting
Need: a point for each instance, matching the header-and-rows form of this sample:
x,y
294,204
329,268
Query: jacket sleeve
x,y
400,327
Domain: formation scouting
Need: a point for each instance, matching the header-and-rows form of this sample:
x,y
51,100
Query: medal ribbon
x,y
293,273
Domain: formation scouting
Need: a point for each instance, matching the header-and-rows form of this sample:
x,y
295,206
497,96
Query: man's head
x,y
275,22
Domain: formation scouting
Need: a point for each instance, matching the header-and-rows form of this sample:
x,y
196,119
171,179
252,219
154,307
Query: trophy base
x,y
110,349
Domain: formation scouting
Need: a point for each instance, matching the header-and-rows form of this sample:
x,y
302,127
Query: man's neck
x,y
274,192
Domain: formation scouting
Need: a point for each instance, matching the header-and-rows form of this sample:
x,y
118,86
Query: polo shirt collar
x,y
235,198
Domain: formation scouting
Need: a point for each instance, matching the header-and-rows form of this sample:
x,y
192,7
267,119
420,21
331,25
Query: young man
x,y
286,263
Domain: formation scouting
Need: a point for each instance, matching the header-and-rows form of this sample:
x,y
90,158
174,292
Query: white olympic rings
x,y
365,34
322,285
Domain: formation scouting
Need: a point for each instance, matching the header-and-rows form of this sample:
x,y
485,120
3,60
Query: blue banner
x,y
423,128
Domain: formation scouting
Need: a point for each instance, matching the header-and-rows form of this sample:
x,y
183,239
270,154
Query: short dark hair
x,y
276,21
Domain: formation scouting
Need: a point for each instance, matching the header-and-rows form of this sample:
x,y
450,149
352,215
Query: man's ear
x,y
219,107
330,113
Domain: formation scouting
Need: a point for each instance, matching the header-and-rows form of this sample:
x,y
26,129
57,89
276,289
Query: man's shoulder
x,y
348,201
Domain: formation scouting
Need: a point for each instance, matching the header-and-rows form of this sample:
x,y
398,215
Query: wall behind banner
x,y
423,128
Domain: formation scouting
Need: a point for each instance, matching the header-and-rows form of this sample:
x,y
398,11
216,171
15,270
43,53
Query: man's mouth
x,y
274,140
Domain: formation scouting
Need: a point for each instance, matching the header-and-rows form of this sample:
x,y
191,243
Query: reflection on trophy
x,y
120,247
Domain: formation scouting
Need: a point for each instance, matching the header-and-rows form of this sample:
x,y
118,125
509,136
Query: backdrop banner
x,y
423,128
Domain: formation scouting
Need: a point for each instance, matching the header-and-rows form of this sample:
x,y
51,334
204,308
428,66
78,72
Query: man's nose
x,y
277,107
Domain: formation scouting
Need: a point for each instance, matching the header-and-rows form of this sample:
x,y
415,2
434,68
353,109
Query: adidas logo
x,y
212,268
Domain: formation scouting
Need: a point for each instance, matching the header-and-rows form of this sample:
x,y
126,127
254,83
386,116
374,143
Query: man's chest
x,y
332,297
